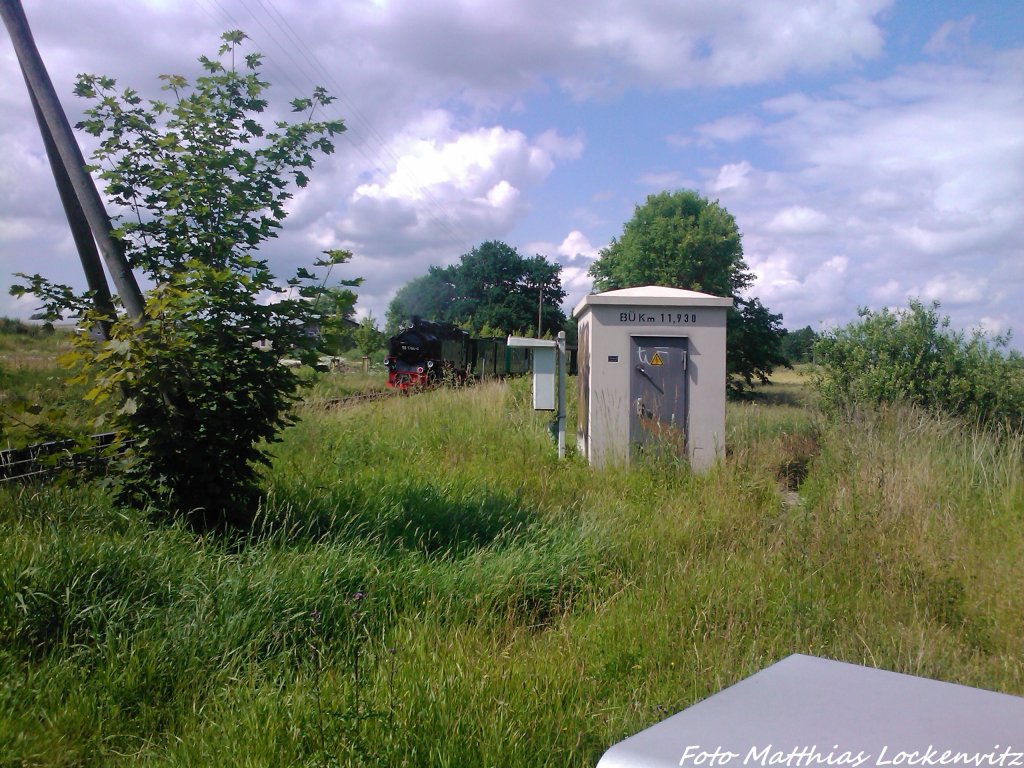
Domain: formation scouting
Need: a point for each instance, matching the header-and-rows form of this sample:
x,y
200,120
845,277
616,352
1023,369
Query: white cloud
x,y
576,245
577,283
493,51
783,280
450,184
562,147
434,157
575,254
881,198
907,176
889,293
797,220
917,178
995,326
503,195
719,42
955,289
729,129
731,176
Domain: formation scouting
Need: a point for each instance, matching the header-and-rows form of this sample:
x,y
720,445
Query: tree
x,y
336,307
913,356
682,240
367,337
797,346
753,336
205,183
493,285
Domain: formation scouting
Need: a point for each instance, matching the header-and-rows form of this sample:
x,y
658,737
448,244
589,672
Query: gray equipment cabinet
x,y
806,712
651,374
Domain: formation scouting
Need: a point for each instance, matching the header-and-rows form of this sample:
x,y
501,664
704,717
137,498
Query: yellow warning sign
x,y
656,360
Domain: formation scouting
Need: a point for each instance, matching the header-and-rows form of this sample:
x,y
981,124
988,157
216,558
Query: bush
x,y
912,356
203,184
15,327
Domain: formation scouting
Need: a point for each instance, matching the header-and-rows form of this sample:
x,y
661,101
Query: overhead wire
x,y
377,157
368,127
295,86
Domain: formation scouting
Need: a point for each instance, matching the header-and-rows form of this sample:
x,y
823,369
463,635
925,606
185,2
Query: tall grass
x,y
337,384
428,585
36,403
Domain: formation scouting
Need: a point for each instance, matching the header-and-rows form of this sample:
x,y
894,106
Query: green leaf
x,y
200,196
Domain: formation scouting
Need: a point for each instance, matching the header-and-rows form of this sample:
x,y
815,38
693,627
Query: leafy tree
x,y
912,356
682,240
368,337
496,286
492,285
205,183
336,307
571,328
797,346
752,343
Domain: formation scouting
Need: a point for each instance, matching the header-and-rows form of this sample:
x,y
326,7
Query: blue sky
x,y
870,150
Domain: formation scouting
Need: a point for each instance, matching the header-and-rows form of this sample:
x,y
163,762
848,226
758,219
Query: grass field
x,y
33,394
428,586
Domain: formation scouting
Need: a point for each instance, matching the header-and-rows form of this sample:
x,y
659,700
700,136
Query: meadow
x,y
33,390
427,585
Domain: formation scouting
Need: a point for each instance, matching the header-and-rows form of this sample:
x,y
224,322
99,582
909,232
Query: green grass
x,y
330,385
36,403
514,610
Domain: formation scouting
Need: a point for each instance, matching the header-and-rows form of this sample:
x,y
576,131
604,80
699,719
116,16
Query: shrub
x,y
911,355
15,327
203,184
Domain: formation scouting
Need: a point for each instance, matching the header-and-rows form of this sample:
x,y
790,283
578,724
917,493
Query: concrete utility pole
x,y
48,106
80,231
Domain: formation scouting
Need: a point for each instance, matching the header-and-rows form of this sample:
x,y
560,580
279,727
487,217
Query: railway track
x,y
44,460
348,400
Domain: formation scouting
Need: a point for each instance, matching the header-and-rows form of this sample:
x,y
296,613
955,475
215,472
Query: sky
x,y
871,151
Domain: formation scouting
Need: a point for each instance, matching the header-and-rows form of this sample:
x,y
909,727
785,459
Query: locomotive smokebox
x,y
651,375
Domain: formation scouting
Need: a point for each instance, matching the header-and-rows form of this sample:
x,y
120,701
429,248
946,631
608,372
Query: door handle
x,y
643,372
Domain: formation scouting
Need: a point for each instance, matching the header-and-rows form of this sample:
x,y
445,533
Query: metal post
x,y
561,394
540,309
71,157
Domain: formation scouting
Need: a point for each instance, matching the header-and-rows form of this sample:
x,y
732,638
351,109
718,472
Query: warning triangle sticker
x,y
656,360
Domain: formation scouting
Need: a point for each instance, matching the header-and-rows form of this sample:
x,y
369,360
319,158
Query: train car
x,y
427,353
493,358
488,358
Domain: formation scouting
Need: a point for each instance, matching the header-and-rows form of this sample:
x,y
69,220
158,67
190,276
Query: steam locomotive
x,y
428,353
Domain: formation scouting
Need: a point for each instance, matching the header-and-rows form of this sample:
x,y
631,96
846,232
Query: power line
x,y
295,86
435,209
367,125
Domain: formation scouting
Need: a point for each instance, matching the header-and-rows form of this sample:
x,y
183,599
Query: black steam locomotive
x,y
428,353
